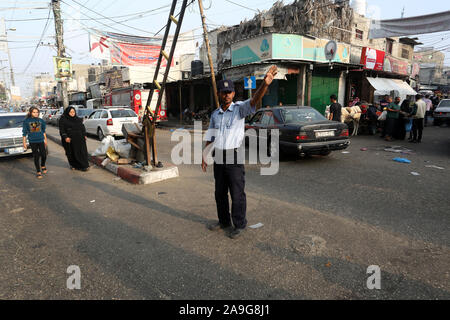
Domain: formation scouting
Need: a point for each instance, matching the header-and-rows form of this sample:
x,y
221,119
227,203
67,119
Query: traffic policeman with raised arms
x,y
226,132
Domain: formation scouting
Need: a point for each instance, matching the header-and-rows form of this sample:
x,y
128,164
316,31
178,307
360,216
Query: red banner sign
x,y
129,54
372,59
395,65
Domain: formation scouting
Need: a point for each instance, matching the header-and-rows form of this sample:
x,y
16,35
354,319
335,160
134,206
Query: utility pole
x,y
60,46
211,66
13,83
403,12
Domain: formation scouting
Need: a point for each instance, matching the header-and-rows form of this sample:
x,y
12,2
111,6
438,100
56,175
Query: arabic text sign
x,y
129,54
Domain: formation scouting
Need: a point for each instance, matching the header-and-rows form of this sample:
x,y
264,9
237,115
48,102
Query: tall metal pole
x,y
211,66
13,83
60,46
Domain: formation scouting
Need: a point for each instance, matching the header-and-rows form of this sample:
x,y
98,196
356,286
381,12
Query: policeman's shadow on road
x,y
145,202
152,267
353,277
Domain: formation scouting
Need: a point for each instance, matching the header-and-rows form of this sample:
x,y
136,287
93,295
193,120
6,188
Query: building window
x,y
405,53
359,34
389,45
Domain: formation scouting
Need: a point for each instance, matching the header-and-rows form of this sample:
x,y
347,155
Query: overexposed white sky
x,y
80,15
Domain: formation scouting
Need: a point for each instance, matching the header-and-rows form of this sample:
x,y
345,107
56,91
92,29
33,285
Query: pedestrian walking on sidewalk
x,y
73,138
226,132
34,128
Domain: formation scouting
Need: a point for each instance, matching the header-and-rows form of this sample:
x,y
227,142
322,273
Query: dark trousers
x,y
391,126
428,114
39,153
231,178
417,129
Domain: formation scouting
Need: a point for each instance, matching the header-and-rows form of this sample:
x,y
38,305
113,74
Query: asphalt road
x,y
326,219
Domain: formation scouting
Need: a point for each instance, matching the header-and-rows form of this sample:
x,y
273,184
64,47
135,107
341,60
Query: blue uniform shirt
x,y
227,128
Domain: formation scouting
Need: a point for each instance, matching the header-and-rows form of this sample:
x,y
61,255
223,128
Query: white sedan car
x,y
109,122
11,141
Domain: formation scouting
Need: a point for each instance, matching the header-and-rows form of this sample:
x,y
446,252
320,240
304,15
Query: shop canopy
x,y
384,86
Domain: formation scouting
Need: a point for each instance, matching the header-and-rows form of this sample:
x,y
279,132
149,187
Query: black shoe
x,y
85,169
235,233
217,225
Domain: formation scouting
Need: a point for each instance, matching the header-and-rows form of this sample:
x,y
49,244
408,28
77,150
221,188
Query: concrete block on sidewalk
x,y
159,175
137,176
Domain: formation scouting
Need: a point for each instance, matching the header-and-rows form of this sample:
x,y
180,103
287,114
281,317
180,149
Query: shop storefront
x,y
380,75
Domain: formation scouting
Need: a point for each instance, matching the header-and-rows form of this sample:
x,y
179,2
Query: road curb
x,y
130,175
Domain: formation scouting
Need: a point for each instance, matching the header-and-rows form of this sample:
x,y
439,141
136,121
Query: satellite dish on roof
x,y
330,50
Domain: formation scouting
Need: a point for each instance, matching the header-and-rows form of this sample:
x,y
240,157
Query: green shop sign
x,y
286,47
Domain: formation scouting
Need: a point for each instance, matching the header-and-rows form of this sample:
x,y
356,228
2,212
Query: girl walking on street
x,y
34,128
73,137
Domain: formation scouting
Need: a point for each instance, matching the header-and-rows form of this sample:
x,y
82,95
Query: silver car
x,y
442,112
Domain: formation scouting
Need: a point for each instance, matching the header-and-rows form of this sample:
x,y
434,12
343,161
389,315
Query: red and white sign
x,y
395,65
372,59
129,54
99,47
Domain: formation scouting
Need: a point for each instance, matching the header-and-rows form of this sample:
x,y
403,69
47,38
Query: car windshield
x,y
9,122
123,113
84,113
301,115
444,103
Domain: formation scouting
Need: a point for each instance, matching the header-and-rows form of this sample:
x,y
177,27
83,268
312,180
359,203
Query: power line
x,y
38,44
145,31
240,5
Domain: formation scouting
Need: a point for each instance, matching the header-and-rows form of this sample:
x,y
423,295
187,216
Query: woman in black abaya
x,y
73,137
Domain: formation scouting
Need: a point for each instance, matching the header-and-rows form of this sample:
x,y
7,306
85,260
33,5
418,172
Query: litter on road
x,y
435,167
256,226
415,173
402,160
345,152
363,149
399,149
92,201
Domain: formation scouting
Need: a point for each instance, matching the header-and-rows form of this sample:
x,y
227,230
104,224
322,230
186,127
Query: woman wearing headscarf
x,y
73,137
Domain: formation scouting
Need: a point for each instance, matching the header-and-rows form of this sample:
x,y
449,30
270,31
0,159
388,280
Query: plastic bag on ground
x,y
107,142
122,147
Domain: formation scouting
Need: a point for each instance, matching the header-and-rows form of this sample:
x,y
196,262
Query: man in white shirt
x,y
417,128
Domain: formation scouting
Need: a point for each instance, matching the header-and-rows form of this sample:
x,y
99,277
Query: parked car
x,y
11,141
104,122
49,114
442,112
55,118
303,130
84,113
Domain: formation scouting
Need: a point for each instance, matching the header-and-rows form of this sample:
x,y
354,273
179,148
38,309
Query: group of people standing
x,y
73,138
407,116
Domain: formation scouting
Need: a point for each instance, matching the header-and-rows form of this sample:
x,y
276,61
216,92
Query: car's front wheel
x,y
100,134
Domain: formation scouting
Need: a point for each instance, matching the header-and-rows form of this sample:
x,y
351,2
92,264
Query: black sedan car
x,y
302,130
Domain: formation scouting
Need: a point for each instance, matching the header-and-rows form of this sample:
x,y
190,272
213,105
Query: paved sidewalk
x,y
125,172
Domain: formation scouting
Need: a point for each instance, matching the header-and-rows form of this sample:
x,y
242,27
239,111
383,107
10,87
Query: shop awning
x,y
384,86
